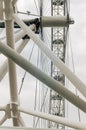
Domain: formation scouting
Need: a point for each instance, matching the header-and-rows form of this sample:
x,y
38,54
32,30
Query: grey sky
x,y
78,36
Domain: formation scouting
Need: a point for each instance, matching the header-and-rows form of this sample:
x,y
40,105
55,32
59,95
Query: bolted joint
x,y
71,21
12,110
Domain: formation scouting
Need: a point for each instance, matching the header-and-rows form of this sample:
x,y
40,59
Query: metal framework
x,y
13,109
57,105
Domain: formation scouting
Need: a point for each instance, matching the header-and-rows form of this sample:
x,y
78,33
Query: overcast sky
x,y
77,39
77,34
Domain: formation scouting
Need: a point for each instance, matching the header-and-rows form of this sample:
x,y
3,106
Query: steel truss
x,y
58,46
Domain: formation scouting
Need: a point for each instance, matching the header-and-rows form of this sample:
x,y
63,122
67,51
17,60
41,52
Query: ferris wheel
x,y
43,36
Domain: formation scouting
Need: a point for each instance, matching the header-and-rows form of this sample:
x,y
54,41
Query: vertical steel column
x,y
12,69
11,65
1,9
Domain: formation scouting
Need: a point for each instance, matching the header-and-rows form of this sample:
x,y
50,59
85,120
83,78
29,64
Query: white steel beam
x,y
12,68
57,119
3,119
55,21
53,84
23,44
65,70
9,23
25,128
4,67
1,9
22,123
22,33
3,108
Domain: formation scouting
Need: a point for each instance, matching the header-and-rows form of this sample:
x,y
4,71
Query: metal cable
x,y
74,72
36,6
43,103
68,35
21,86
28,13
47,8
68,7
36,90
42,106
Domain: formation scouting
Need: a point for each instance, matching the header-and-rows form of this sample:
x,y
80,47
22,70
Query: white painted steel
x,y
24,128
12,68
3,120
8,8
1,10
4,67
23,44
55,21
53,84
22,33
22,123
3,108
57,119
9,23
65,70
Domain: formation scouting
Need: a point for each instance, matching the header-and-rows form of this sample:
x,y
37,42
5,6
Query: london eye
x,y
34,71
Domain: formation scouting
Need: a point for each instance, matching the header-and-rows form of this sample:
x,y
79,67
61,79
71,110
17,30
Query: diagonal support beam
x,y
21,34
65,70
57,119
3,108
53,84
3,120
4,67
9,24
22,123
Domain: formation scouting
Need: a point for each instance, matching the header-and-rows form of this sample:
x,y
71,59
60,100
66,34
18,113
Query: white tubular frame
x,y
12,69
70,75
4,67
53,21
24,128
57,119
3,108
14,57
3,119
1,9
21,122
53,84
22,33
9,23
